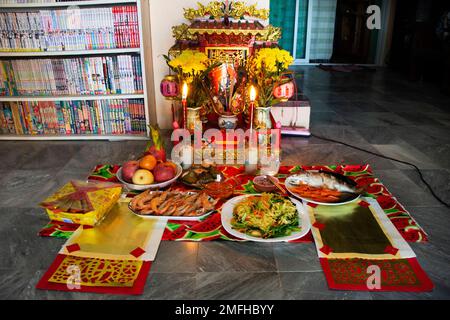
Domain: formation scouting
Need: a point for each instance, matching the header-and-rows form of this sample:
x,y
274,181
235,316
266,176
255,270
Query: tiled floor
x,y
379,111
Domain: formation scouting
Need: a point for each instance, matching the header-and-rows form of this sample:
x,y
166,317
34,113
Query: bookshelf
x,y
141,95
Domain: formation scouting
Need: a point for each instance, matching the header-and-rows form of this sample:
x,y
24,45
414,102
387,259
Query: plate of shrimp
x,y
174,205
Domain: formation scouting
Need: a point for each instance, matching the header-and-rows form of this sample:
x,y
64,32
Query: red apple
x,y
159,154
163,172
128,170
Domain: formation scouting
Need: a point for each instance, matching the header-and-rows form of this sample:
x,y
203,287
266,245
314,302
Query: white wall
x,y
163,15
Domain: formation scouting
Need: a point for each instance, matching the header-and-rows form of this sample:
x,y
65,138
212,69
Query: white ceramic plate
x,y
197,218
290,186
227,215
138,187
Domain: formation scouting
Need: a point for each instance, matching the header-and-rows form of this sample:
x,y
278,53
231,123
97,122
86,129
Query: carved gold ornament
x,y
213,8
238,10
181,32
271,34
217,10
252,11
228,54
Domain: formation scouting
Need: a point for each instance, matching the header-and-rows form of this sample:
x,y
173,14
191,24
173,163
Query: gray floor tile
x,y
185,253
12,284
419,118
296,257
14,154
423,136
238,285
20,243
346,134
26,188
407,153
405,190
379,135
312,285
374,119
170,286
439,154
232,256
52,157
327,119
438,179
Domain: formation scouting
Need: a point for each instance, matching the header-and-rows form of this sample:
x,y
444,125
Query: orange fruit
x,y
148,162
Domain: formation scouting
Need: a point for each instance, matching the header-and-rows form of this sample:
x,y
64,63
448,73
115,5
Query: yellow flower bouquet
x,y
266,70
189,63
191,66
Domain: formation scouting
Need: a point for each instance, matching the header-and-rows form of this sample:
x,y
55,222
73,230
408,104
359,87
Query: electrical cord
x,y
388,158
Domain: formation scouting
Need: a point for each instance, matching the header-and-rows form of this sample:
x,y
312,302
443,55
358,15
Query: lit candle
x,y
184,94
252,106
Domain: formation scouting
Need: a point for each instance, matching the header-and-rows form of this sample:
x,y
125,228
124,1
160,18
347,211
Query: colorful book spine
x,y
65,30
105,117
74,76
9,119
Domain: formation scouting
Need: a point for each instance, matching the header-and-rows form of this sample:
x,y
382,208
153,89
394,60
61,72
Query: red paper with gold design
x,y
396,275
96,275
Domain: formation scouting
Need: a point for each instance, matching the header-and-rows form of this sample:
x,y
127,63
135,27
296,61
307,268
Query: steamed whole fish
x,y
322,180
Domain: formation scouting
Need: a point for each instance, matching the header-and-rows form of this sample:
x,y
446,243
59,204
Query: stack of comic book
x,y
100,117
121,74
70,29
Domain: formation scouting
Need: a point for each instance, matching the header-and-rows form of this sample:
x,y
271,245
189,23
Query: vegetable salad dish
x,y
266,216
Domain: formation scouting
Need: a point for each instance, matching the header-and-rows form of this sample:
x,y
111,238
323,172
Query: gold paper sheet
x,y
351,231
351,228
115,237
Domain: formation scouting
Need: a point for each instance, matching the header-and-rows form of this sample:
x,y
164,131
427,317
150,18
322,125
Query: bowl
x,y
263,184
219,190
142,187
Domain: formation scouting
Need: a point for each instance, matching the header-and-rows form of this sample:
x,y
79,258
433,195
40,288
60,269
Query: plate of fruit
x,y
148,173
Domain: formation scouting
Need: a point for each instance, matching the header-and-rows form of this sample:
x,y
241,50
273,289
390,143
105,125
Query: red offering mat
x,y
77,274
360,249
210,228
